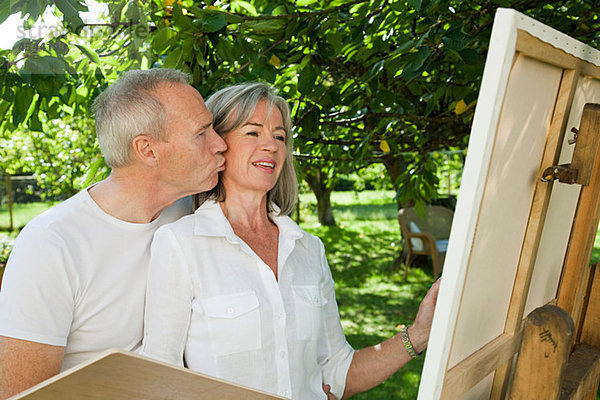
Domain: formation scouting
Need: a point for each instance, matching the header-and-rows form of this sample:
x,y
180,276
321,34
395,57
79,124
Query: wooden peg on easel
x,y
587,148
542,360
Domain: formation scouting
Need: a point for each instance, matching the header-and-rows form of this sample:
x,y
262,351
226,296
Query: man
x,y
75,282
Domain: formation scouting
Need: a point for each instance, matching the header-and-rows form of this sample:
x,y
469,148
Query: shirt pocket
x,y
233,322
309,311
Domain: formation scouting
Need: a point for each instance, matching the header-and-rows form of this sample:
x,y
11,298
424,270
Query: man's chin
x,y
209,184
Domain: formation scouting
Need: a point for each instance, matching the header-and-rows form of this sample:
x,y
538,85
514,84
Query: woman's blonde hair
x,y
232,107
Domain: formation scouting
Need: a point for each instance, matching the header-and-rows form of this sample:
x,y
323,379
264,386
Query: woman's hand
x,y
419,331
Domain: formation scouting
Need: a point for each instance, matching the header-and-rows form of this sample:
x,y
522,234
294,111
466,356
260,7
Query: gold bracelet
x,y
406,342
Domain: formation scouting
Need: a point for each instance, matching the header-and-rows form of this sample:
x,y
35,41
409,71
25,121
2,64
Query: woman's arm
x,y
373,365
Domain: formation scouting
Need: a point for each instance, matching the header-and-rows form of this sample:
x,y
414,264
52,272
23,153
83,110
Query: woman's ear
x,y
144,150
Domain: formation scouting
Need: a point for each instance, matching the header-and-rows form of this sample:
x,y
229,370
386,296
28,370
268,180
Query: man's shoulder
x,y
61,211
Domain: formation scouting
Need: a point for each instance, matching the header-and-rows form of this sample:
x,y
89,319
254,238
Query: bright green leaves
x,y
89,53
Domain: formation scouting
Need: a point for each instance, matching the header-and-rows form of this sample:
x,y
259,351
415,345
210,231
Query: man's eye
x,y
280,137
252,133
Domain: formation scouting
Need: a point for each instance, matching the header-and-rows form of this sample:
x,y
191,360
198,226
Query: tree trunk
x,y
395,166
322,190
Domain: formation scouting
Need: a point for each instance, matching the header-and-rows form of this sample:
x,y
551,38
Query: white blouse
x,y
212,302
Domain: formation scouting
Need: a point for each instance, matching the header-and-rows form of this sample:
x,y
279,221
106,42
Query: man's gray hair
x,y
231,108
129,108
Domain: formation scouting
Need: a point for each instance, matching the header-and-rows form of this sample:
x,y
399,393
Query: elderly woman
x,y
237,290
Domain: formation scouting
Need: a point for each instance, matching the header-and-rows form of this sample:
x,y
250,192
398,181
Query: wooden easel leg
x,y
542,360
571,291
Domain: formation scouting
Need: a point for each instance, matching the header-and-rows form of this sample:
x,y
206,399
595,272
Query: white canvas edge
x,y
489,105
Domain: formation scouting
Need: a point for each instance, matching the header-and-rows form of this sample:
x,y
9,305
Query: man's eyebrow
x,y
205,126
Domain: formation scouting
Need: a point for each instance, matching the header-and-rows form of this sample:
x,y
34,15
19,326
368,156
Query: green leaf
x,y
34,122
306,80
162,39
70,10
92,171
416,4
174,59
457,40
238,5
5,10
265,27
22,103
91,54
224,49
181,22
132,11
212,23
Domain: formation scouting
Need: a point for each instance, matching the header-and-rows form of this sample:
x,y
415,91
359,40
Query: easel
x,y
549,364
558,344
540,369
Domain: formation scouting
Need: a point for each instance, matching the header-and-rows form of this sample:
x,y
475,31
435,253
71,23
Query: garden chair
x,y
426,235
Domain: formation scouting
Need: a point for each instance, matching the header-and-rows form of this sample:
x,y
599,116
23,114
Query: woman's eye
x,y
252,133
280,137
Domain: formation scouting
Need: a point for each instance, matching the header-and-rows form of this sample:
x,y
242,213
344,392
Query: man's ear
x,y
144,150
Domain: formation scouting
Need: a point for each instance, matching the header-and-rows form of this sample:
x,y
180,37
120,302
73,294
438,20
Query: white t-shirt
x,y
212,300
77,278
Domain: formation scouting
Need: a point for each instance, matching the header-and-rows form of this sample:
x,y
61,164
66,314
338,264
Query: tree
x,y
370,81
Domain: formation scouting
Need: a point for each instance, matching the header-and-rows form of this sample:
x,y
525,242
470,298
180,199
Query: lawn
x,y
372,296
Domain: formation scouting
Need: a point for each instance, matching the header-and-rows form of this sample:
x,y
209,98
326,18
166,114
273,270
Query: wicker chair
x,y
426,235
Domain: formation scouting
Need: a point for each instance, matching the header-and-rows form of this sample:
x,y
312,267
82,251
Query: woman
x,y
240,292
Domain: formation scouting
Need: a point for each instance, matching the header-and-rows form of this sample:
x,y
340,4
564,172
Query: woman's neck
x,y
246,210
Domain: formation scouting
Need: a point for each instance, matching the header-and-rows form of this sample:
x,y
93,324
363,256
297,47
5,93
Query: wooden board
x,y
124,375
511,231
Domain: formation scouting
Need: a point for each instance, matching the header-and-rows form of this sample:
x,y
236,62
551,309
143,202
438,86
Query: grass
x,y
372,296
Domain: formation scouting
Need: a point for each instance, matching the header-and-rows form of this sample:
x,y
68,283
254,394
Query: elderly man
x,y
75,282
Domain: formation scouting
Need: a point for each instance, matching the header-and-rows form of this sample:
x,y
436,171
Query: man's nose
x,y
218,144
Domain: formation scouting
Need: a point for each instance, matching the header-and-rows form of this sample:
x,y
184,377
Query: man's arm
x,y
24,364
373,365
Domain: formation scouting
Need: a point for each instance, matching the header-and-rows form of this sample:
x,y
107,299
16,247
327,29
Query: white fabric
x,y
214,302
77,278
417,243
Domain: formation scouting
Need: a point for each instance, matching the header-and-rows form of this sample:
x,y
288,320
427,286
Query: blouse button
x,y
230,310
